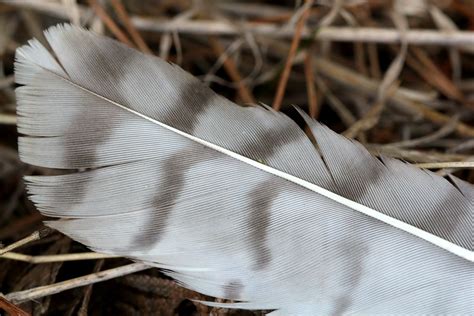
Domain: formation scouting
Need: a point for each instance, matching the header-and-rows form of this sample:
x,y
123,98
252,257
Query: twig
x,y
439,118
37,235
11,309
177,46
291,55
88,291
166,39
55,258
310,84
359,48
443,131
427,69
415,155
331,33
403,99
109,22
451,164
136,37
7,119
444,22
42,291
329,18
373,53
388,85
371,118
464,146
400,99
73,11
232,71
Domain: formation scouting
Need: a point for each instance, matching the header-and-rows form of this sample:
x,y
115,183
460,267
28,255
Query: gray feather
x,y
219,225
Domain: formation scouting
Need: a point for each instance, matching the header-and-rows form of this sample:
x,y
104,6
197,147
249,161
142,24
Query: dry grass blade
x,y
109,22
331,33
311,85
388,85
37,235
88,291
427,69
55,258
443,131
441,119
10,308
280,92
415,156
450,164
8,119
401,99
42,291
233,72
371,118
444,23
123,15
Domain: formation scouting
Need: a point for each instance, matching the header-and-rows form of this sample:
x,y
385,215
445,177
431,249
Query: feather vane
x,y
234,202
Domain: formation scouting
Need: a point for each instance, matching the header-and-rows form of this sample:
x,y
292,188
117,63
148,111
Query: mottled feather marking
x,y
259,221
95,62
177,165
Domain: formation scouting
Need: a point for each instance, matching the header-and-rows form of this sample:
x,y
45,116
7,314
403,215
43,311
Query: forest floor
x,y
398,76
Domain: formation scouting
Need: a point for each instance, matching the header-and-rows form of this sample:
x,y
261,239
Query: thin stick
x,y
37,235
439,118
7,119
443,131
450,164
233,72
136,37
414,155
331,33
400,98
375,71
427,69
109,22
291,56
388,86
56,258
88,291
11,309
370,119
403,99
42,291
310,85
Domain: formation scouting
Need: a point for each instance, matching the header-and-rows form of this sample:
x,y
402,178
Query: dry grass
x,y
397,75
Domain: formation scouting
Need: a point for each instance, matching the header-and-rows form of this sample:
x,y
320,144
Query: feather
x,y
234,202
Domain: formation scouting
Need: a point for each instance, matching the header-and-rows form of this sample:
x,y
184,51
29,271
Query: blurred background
x,y
398,76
